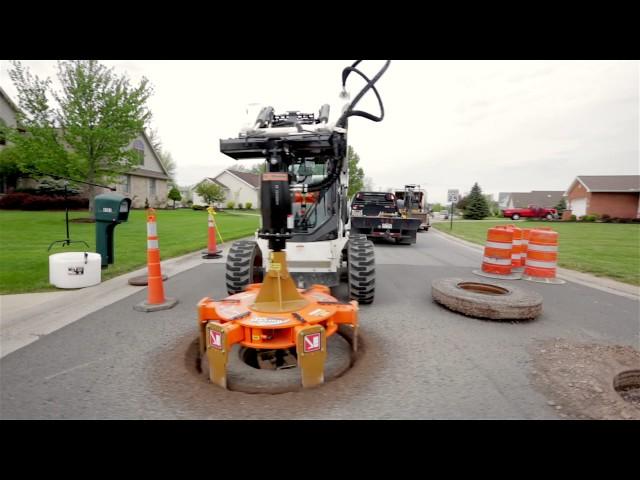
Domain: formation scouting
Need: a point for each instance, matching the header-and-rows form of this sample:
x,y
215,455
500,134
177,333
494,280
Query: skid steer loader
x,y
312,151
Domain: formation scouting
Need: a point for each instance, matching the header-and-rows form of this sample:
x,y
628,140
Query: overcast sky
x,y
509,125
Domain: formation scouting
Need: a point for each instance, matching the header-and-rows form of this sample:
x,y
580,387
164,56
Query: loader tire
x,y
244,266
495,301
361,269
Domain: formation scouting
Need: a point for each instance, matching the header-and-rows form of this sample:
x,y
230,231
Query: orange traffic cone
x,y
155,293
212,248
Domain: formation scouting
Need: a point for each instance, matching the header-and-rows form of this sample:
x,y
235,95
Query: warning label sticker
x,y
312,342
319,312
215,339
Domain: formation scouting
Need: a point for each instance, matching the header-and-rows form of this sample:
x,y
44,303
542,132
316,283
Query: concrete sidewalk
x,y
605,284
24,318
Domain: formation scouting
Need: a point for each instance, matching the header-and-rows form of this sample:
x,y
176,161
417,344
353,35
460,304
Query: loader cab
x,y
315,214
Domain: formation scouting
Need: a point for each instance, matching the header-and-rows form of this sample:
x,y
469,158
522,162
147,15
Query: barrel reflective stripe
x,y
152,229
517,242
496,261
499,245
210,222
535,247
539,264
152,243
516,256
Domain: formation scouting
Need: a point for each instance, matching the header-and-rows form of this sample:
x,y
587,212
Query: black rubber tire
x,y
244,266
516,304
244,378
361,269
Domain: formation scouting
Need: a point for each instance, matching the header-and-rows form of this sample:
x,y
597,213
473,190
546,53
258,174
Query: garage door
x,y
579,207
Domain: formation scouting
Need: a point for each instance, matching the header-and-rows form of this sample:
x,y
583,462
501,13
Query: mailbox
x,y
111,209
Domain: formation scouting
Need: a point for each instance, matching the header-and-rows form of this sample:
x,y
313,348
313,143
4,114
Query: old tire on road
x,y
494,301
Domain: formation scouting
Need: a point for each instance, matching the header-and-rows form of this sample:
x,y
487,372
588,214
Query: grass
x,y
603,249
25,237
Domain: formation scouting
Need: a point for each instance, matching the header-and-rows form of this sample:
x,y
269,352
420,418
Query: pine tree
x,y
476,206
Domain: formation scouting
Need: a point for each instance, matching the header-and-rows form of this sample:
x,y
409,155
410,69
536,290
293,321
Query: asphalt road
x,y
418,361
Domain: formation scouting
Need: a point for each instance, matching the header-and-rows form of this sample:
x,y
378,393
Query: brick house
x,y
614,195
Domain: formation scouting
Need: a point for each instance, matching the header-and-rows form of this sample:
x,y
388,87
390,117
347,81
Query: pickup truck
x,y
376,215
531,211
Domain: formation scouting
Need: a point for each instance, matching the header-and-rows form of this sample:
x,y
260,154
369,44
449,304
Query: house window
x,y
3,137
152,186
125,183
138,147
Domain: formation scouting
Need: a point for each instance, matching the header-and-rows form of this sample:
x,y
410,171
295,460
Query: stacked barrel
x,y
512,253
497,259
542,256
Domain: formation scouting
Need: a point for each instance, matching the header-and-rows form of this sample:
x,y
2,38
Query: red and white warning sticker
x,y
215,339
312,342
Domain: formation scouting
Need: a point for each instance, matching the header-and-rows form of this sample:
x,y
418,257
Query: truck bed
x,y
404,230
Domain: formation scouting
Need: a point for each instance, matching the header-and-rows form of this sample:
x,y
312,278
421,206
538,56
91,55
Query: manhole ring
x,y
627,384
483,288
244,377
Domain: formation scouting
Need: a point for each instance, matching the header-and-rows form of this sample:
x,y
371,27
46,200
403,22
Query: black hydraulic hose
x,y
370,85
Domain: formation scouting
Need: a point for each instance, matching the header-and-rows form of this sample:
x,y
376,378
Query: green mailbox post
x,y
111,209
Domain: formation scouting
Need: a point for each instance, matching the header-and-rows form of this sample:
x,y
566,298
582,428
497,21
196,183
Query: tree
x,y
97,114
259,168
476,206
356,173
436,207
211,192
561,206
174,194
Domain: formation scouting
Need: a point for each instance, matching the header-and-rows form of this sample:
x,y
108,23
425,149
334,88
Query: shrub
x,y
635,220
588,218
606,218
25,201
248,205
573,218
240,206
198,207
231,204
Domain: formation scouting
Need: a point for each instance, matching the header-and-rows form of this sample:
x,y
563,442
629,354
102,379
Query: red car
x,y
530,212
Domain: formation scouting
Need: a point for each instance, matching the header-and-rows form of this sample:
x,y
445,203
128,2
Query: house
x,y
148,181
613,195
238,187
539,198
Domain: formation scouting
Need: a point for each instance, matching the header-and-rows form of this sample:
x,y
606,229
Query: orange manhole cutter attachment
x,y
223,323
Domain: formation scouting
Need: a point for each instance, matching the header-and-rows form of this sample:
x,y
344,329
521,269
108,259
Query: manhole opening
x,y
484,288
280,359
627,384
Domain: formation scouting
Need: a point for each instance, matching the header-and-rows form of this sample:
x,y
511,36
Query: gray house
x,y
149,181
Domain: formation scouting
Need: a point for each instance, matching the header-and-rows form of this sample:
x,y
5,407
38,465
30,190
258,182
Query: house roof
x,y
4,95
540,198
143,172
248,177
608,183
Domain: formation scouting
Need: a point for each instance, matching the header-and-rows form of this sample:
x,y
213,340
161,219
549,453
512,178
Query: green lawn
x,y
603,249
25,237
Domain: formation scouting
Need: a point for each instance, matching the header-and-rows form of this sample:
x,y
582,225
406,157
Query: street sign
x,y
452,196
312,342
215,339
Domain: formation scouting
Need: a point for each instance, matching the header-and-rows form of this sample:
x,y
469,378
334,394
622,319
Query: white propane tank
x,y
74,269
